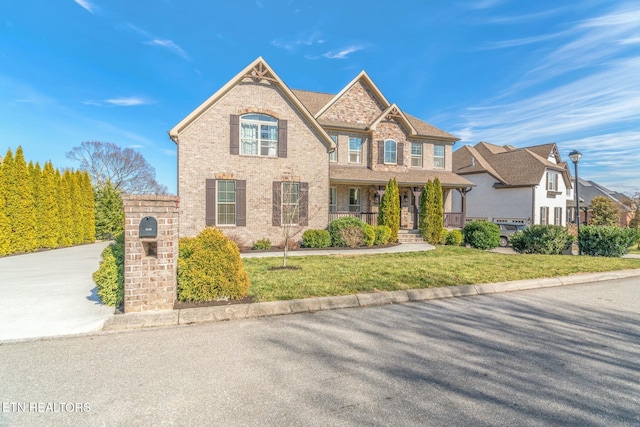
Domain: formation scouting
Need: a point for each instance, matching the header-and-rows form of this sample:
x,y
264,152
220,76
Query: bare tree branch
x,y
125,168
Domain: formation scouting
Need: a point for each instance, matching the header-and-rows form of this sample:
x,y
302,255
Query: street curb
x,y
189,316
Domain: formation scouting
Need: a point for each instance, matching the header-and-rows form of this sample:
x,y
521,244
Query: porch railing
x,y
451,219
454,219
370,218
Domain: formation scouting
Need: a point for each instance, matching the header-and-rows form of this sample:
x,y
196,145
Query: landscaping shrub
x,y
382,235
352,236
541,239
210,268
109,277
454,238
369,235
389,209
607,241
316,239
481,234
262,244
339,224
443,236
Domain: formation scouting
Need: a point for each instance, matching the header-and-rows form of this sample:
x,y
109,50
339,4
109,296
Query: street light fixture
x,y
575,156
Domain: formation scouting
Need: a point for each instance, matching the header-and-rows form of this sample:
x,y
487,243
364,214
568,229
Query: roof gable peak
x,y
393,113
361,77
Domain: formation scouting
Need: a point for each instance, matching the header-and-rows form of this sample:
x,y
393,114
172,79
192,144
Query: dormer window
x,y
258,135
390,152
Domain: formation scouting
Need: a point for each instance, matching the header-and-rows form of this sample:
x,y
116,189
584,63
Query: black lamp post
x,y
575,158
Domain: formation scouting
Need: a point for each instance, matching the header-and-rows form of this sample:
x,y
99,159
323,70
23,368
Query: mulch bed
x,y
276,249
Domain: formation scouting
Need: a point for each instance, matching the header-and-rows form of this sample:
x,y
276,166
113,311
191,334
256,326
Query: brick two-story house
x,y
257,154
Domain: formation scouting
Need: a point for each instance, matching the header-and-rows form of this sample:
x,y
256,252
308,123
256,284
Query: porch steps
x,y
409,236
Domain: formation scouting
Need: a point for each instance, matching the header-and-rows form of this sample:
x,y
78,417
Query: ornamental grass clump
x,y
210,268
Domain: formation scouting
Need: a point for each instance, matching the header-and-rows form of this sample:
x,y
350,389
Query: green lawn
x,y
444,266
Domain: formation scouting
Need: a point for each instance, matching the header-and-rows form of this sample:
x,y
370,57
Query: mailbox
x,y
148,227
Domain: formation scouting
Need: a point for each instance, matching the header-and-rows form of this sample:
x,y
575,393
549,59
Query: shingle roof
x,y
314,101
414,178
509,165
588,190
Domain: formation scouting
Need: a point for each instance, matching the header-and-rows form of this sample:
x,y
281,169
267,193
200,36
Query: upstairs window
x,y
259,135
355,150
390,152
438,156
552,181
416,155
333,156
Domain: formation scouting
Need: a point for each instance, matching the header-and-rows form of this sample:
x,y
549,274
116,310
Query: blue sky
x,y
507,72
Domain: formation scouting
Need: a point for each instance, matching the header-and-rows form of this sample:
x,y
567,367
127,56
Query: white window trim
x,y
358,151
259,122
416,156
218,203
439,157
393,152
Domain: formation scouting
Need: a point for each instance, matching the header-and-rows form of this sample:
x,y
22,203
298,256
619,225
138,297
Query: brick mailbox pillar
x,y
150,252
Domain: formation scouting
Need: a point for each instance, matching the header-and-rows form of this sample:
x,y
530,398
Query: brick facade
x,y
150,263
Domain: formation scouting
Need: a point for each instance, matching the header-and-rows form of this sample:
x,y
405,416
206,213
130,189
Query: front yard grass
x,y
445,266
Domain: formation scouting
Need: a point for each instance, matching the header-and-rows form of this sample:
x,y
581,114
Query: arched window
x,y
390,152
259,135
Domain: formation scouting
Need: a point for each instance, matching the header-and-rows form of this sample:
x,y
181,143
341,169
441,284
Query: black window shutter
x,y
400,156
304,203
381,152
210,203
234,132
241,203
282,138
277,204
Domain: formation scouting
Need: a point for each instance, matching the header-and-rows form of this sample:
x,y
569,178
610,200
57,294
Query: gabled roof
x,y
364,78
512,167
394,113
588,190
258,71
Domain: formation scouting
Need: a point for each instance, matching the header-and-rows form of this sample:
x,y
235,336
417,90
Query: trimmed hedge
x,y
340,224
109,277
610,241
210,268
541,239
316,239
382,235
481,234
453,237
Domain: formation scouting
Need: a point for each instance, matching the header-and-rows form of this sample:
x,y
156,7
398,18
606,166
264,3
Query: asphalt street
x,y
565,356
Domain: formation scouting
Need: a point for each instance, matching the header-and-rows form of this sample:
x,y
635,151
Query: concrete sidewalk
x,y
401,248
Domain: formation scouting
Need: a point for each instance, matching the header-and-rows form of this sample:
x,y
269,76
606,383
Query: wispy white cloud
x,y
169,152
483,4
342,53
307,39
157,41
168,44
529,17
521,41
127,101
86,5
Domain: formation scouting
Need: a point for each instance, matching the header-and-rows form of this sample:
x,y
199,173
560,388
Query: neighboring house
x,y
257,153
587,191
517,185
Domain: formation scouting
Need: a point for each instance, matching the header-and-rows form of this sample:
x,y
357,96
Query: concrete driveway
x,y
51,293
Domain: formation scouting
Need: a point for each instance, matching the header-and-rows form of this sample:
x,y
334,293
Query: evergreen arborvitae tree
x,y
89,235
77,230
423,214
20,205
64,210
436,216
49,228
389,210
5,228
109,213
36,181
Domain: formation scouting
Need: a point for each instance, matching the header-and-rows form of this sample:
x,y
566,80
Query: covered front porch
x,y
362,201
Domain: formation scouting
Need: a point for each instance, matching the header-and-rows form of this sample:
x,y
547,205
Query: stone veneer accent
x,y
150,264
